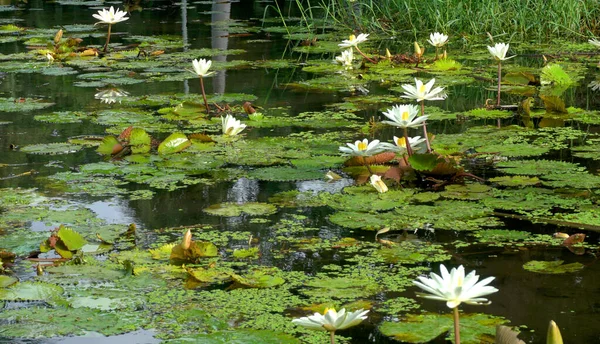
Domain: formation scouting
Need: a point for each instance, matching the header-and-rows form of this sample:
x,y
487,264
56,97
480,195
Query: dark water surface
x,y
572,300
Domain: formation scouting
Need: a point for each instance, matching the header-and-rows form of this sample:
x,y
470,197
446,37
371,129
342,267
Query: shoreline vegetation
x,y
523,19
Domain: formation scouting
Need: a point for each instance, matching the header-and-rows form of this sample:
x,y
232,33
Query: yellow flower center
x,y
362,146
401,142
422,89
352,37
327,310
405,116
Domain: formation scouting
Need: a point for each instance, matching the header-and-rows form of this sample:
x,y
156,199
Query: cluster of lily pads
x,y
249,284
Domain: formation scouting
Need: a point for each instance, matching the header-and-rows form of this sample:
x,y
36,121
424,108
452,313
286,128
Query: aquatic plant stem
x,y
456,327
368,167
499,80
425,127
365,56
204,94
408,147
436,52
107,38
332,337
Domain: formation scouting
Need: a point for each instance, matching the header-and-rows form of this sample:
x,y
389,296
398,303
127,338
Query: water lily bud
x,y
187,240
418,50
445,54
58,36
378,184
387,53
553,336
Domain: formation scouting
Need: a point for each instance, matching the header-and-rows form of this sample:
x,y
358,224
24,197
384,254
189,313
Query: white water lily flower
x,y
110,16
353,41
231,126
455,287
594,85
399,144
404,116
378,184
49,57
421,91
362,148
346,58
499,51
437,39
594,42
111,95
201,67
332,321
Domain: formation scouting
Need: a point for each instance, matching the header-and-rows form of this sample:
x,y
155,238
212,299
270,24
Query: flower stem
x,y
408,147
368,167
332,337
499,80
204,94
456,327
436,52
365,56
107,38
425,127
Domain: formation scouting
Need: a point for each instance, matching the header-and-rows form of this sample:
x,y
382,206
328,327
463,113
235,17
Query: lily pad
x,y
32,291
259,278
174,143
22,104
235,209
242,336
52,148
474,328
552,267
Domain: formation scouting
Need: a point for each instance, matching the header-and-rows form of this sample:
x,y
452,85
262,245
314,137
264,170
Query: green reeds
x,y
525,18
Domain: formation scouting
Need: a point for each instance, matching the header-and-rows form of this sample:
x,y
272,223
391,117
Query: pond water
x,y
319,235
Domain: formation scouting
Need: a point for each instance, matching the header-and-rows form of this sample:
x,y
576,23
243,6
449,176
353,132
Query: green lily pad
x,y
32,291
359,220
6,281
342,288
212,275
51,148
259,278
366,199
61,117
552,267
66,322
174,143
252,252
539,167
235,209
22,104
71,239
409,253
515,181
484,113
474,328
242,336
514,149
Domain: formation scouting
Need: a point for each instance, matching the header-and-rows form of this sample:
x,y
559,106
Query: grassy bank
x,y
523,18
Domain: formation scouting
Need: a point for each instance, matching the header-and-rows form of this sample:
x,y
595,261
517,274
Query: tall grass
x,y
523,18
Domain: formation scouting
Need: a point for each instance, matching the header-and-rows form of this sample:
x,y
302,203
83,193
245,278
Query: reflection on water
x,y
243,190
219,37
